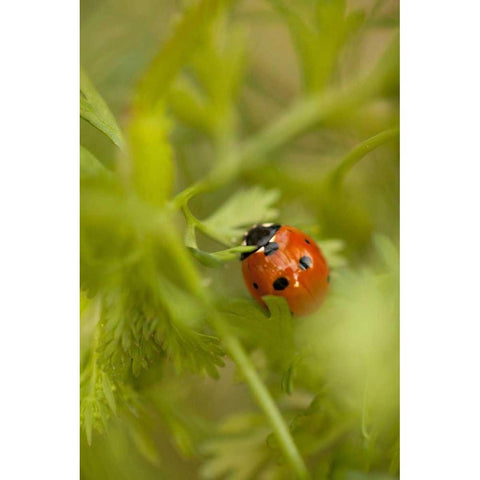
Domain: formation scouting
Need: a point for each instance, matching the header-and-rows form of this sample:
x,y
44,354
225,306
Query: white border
x,y
39,341
440,240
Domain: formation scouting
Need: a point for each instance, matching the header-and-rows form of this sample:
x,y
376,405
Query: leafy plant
x,y
182,374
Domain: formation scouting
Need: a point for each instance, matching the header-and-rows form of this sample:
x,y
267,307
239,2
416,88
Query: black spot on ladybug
x,y
307,241
270,248
255,286
281,283
328,279
305,262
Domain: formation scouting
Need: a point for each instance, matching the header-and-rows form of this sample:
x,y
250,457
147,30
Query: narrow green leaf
x,y
332,250
145,443
238,451
190,237
287,378
184,309
107,390
272,333
233,253
174,52
317,42
188,105
206,259
387,251
217,259
384,79
151,157
219,67
361,150
94,110
90,166
88,423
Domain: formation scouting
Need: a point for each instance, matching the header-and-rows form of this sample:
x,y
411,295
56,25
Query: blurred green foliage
x,y
201,118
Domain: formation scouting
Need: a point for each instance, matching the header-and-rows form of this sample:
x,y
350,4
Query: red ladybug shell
x,y
287,263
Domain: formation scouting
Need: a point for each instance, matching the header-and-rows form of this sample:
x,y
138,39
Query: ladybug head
x,y
259,236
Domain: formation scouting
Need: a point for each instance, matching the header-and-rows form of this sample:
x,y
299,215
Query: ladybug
x,y
288,263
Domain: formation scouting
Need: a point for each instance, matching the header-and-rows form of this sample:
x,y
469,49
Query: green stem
x,y
259,390
196,223
185,195
233,252
185,265
303,115
365,432
352,158
264,400
92,366
330,438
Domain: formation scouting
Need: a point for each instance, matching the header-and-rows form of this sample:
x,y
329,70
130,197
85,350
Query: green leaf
x,y
206,259
179,335
174,53
232,253
189,106
185,425
192,351
218,68
384,79
241,211
217,259
271,333
388,252
150,314
145,443
344,474
321,425
287,378
317,43
151,289
152,157
332,250
88,424
239,450
183,308
94,110
97,401
90,166
110,397
354,337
